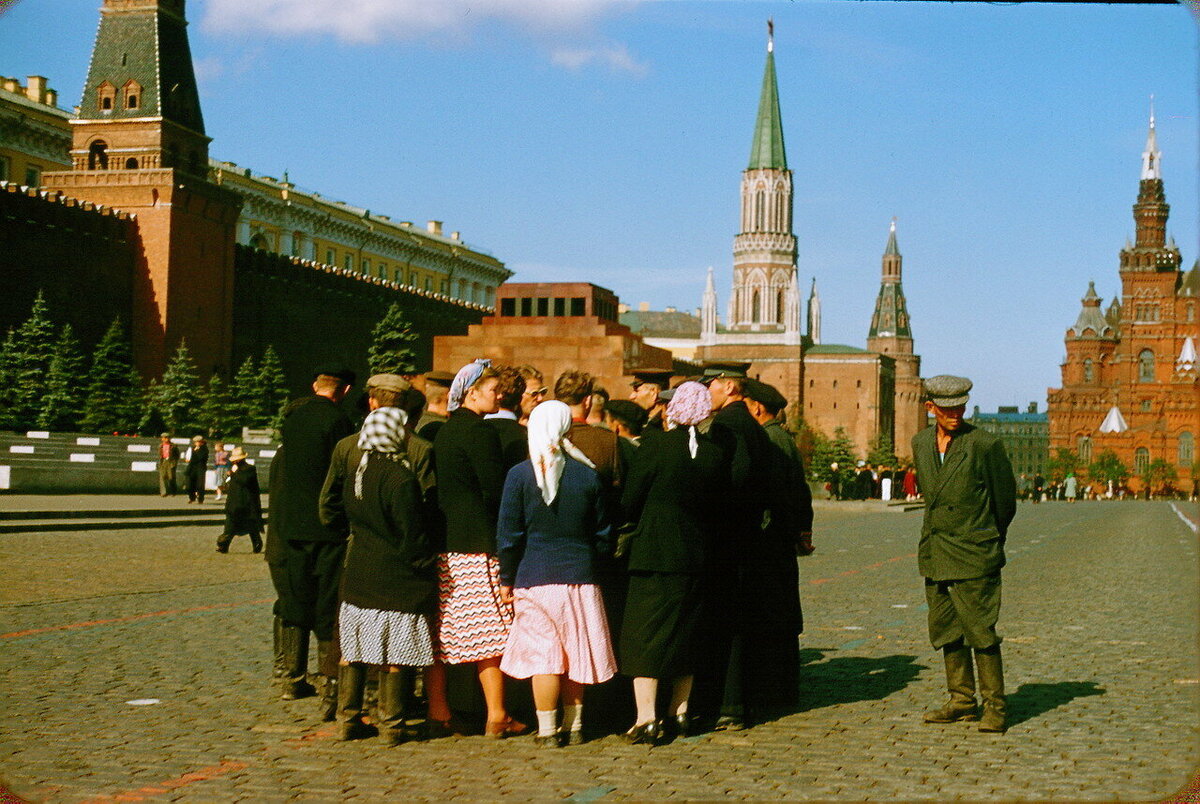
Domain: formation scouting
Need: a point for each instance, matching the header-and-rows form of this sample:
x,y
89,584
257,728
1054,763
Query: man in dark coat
x,y
721,690
305,556
197,469
514,440
970,499
243,503
647,384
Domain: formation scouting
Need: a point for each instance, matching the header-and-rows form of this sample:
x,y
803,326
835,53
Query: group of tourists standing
x,y
480,524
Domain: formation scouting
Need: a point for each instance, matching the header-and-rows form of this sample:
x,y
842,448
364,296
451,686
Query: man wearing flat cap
x,y
970,499
304,555
437,401
647,384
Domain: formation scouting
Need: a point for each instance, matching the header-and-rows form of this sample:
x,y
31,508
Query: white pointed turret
x,y
814,314
1114,422
791,307
1151,157
708,308
1187,356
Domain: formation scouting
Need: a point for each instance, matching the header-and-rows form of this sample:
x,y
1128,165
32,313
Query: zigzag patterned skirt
x,y
472,622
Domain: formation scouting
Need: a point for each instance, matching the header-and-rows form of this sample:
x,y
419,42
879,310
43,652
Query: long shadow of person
x,y
1031,700
846,679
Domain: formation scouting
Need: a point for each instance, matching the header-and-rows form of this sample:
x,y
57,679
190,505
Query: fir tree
x,y
62,405
216,409
881,451
29,363
113,391
8,395
827,451
245,401
392,345
273,390
177,397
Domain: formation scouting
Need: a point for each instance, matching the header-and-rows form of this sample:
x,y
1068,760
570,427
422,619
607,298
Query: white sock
x,y
547,722
573,717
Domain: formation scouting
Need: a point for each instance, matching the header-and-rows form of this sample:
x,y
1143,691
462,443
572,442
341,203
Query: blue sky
x,y
603,141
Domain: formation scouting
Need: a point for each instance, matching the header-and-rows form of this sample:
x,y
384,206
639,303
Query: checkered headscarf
x,y
383,431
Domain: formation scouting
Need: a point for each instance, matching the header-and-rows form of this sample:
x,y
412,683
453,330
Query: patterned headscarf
x,y
690,405
467,376
548,426
383,431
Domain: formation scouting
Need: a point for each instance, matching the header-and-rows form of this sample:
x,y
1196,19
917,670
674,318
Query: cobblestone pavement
x,y
1100,619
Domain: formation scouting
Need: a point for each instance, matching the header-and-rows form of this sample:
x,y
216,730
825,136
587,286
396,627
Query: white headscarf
x,y
548,426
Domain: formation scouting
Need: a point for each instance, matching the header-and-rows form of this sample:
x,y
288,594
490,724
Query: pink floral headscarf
x,y
690,405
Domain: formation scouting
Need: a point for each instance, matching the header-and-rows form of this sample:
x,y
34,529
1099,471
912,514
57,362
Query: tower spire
x,y
814,314
891,314
767,150
1151,157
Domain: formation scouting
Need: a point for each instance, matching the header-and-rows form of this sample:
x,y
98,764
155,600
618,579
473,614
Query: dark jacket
x,y
969,502
198,462
514,440
311,429
391,561
736,430
676,502
540,544
243,501
791,511
470,471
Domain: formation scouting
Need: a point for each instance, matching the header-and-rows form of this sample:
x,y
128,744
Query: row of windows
x,y
131,95
756,311
857,383
1185,452
33,173
541,306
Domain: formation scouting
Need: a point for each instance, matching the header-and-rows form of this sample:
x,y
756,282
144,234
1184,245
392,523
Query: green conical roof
x,y
767,150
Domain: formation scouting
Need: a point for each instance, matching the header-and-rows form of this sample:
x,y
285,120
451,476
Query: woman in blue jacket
x,y
552,526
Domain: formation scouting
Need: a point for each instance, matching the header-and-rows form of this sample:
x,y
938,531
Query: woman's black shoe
x,y
548,740
678,726
645,734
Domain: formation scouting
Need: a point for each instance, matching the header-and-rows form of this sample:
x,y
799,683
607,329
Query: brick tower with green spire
x,y
138,144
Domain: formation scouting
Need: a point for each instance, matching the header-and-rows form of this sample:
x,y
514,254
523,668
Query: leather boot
x,y
352,680
328,656
395,699
991,689
277,647
960,681
294,648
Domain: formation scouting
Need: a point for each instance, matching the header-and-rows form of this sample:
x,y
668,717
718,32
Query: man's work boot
x,y
277,647
395,704
352,680
991,689
294,648
960,681
328,656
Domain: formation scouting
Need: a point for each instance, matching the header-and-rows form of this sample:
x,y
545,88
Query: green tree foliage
x,y
113,394
392,345
881,450
8,393
245,400
1062,463
1159,476
827,451
272,388
29,351
62,404
1107,466
176,398
216,409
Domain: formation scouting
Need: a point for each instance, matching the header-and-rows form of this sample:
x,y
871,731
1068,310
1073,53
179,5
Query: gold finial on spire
x,y
770,34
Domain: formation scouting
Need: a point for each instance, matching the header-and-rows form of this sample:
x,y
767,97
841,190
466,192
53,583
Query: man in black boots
x,y
305,556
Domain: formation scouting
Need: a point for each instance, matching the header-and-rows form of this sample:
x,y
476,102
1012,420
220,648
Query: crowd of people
x,y
866,482
635,555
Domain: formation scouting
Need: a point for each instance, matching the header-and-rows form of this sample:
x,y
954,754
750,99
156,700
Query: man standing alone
x,y
970,499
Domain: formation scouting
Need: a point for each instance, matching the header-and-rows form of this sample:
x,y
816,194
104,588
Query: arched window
x,y
760,209
131,163
779,307
1187,449
98,155
755,307
1085,449
1146,366
1089,373
106,95
1141,460
133,94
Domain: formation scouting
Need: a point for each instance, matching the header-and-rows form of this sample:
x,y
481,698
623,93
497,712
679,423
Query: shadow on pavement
x,y
846,679
1031,700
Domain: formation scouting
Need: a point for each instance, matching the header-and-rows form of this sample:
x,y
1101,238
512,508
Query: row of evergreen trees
x,y
47,383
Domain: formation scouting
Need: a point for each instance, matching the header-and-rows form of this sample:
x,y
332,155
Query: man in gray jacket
x,y
970,499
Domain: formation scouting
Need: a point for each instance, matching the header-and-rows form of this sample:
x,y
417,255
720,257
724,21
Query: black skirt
x,y
660,630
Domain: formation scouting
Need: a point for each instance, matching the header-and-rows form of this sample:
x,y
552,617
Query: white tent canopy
x,y
1114,422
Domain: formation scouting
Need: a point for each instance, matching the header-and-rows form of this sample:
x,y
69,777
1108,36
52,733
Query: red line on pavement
x,y
167,785
130,618
850,572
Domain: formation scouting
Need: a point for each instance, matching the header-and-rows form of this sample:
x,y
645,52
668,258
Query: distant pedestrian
x,y
243,502
551,528
197,469
220,466
1039,486
168,462
970,499
1071,488
910,483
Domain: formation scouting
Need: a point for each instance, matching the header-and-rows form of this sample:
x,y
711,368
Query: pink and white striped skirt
x,y
560,628
472,622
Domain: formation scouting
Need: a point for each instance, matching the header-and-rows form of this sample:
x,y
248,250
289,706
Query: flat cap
x,y
724,369
631,414
440,378
946,390
658,376
389,382
341,372
766,395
